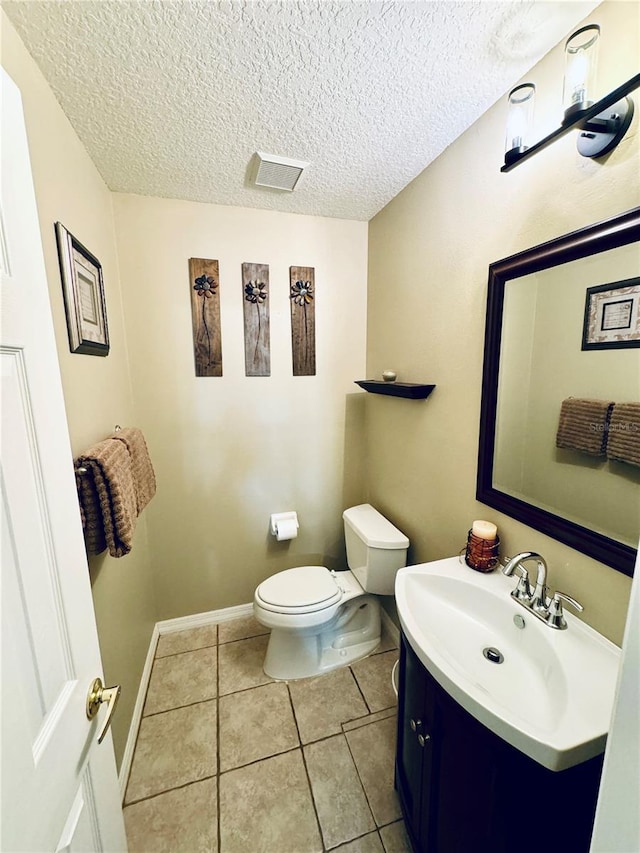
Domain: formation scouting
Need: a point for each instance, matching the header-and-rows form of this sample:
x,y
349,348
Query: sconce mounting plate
x,y
602,133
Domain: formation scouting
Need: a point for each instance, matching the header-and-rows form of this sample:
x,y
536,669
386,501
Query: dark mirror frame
x,y
609,234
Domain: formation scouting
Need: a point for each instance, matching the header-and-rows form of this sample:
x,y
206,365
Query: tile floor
x,y
230,761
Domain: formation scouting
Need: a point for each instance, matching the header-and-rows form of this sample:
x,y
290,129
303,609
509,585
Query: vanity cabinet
x,y
465,790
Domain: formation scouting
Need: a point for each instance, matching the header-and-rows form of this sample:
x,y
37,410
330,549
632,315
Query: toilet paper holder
x,y
279,517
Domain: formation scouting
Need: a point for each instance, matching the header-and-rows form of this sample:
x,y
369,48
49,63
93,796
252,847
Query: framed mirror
x,y
540,311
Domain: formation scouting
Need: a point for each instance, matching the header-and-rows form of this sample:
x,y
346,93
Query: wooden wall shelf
x,y
410,390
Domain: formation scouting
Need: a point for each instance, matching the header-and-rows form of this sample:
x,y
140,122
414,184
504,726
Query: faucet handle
x,y
523,591
556,617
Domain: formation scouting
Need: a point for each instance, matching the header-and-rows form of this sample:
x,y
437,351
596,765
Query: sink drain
x,y
492,654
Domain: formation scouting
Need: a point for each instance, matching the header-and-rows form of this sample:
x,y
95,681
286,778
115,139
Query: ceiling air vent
x,y
277,173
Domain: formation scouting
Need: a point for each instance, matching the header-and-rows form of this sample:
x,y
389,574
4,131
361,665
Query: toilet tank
x,y
375,548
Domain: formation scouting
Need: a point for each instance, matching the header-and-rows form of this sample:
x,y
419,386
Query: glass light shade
x,y
581,60
520,118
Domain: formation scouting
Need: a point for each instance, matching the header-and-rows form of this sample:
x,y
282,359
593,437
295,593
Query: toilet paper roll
x,y
287,529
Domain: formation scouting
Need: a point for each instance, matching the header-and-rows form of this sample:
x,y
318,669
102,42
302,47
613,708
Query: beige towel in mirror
x,y
583,425
623,443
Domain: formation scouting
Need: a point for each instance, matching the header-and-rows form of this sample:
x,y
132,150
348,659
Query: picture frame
x,y
612,316
83,291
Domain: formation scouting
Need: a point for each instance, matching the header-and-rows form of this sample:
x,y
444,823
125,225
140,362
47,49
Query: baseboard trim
x,y
168,626
198,620
136,719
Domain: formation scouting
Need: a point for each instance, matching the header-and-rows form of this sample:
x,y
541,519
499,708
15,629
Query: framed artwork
x,y
612,316
83,290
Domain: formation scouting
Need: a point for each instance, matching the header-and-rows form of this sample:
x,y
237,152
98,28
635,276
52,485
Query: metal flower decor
x,y
205,286
255,292
302,292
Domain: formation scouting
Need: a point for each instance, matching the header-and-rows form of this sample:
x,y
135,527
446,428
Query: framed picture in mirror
x,y
612,315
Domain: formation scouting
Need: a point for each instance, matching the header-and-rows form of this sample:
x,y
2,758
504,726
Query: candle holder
x,y
481,554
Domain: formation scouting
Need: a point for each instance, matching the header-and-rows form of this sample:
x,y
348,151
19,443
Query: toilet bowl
x,y
320,619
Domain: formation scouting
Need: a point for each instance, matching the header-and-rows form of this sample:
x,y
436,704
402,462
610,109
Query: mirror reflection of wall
x,y
541,364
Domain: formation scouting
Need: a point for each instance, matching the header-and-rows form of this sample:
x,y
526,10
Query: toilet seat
x,y
304,589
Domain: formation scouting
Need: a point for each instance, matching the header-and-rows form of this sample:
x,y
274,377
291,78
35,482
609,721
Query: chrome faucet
x,y
537,601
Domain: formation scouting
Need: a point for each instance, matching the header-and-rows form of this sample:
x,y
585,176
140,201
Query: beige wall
x,y
429,251
230,451
97,390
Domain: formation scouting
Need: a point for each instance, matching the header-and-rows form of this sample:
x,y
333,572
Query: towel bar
x,y
82,469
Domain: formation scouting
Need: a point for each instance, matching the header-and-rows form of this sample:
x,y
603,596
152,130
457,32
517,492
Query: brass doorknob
x,y
98,694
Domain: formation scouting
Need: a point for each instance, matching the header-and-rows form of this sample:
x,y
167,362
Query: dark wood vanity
x,y
465,790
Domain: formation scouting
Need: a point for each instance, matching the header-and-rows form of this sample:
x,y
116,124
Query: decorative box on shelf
x,y
410,390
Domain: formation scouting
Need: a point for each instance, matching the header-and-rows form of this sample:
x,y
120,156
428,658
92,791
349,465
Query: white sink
x,y
552,695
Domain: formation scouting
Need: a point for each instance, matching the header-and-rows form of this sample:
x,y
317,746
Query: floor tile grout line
x,y
241,639
258,760
376,652
180,707
384,826
313,799
366,796
342,732
306,770
364,698
391,822
375,823
206,645
293,711
184,651
168,790
357,838
253,687
364,721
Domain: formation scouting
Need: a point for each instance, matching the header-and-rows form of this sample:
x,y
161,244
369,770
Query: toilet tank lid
x,y
374,529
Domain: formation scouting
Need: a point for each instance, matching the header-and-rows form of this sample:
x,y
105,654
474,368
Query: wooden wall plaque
x,y
302,292
257,344
204,282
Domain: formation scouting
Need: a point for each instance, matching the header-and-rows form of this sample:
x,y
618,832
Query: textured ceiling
x,y
171,99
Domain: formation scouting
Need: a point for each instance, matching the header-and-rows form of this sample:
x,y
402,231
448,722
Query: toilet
x,y
320,619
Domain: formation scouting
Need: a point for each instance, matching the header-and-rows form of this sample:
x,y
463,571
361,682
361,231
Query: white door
x,y
59,788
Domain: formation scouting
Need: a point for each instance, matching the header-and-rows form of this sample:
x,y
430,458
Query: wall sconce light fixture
x,y
581,62
519,120
602,125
